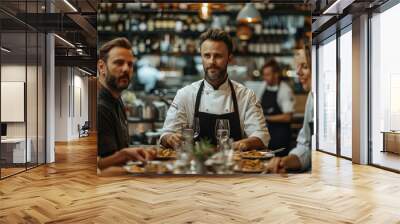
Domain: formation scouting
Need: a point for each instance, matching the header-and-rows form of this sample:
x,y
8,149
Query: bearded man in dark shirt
x,y
115,66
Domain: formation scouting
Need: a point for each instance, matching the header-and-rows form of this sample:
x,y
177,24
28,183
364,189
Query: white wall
x,y
34,125
13,73
71,94
61,103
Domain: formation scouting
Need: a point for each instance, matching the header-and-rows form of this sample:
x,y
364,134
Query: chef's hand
x,y
172,140
282,164
240,146
248,144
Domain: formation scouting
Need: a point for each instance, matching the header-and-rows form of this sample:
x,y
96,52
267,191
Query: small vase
x,y
197,167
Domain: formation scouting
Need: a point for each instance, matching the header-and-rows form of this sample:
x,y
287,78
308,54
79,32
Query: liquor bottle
x,y
201,27
155,46
142,47
120,6
134,24
134,46
120,25
142,24
150,24
127,24
148,45
178,26
266,27
257,29
175,45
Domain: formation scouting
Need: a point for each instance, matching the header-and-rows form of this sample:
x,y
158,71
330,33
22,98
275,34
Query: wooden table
x,y
391,141
120,170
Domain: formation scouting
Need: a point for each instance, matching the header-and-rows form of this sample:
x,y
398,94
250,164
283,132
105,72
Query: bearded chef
x,y
217,97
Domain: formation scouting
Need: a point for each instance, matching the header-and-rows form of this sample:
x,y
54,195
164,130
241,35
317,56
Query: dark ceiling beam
x,y
91,5
89,30
338,6
81,61
290,2
15,18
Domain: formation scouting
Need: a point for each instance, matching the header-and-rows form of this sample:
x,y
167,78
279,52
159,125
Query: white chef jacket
x,y
284,98
218,101
303,147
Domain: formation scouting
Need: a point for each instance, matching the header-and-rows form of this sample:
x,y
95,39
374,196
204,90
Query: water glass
x,y
222,130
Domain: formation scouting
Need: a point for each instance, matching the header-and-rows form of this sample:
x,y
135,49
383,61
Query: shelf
x,y
138,120
196,12
193,34
235,54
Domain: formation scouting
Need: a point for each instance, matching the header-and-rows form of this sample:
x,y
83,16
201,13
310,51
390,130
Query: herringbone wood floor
x,y
69,191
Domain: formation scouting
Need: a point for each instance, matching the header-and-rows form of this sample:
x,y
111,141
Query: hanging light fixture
x,y
205,11
248,14
244,31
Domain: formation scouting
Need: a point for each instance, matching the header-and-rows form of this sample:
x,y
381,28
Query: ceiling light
x,y
84,71
205,11
70,5
244,31
337,7
5,50
249,14
65,41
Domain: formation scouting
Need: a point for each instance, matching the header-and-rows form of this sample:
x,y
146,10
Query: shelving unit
x,y
148,27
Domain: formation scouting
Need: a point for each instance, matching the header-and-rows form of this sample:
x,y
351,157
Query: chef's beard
x,y
112,81
220,75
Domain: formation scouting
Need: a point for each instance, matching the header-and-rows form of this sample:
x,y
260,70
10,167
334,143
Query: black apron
x,y
280,132
311,126
207,121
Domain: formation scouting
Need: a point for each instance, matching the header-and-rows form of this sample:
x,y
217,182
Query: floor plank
x,y
69,191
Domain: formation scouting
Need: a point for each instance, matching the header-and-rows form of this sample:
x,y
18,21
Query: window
x,y
346,94
385,87
327,96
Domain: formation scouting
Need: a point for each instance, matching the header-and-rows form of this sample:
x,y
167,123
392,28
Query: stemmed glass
x,y
196,128
222,130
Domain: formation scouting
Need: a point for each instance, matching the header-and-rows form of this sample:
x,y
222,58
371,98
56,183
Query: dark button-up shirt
x,y
112,125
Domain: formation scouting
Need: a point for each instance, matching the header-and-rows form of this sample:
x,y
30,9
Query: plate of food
x,y
151,167
254,154
251,166
134,167
165,154
156,167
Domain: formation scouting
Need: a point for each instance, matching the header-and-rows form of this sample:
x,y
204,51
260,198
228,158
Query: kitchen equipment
x,y
152,137
136,110
149,111
162,109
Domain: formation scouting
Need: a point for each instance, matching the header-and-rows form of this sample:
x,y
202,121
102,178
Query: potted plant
x,y
201,152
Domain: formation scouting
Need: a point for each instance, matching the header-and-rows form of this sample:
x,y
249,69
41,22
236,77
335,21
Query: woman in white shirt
x,y
299,158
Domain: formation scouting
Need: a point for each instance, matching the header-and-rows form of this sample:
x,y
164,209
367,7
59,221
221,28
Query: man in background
x,y
277,102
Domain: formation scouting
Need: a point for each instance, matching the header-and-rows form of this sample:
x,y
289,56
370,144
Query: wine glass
x,y
196,128
222,130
